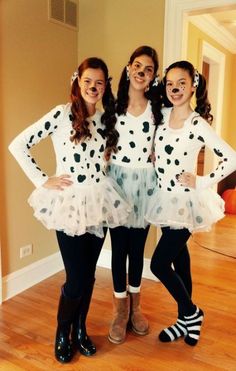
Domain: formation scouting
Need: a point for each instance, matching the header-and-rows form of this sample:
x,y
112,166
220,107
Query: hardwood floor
x,y
27,321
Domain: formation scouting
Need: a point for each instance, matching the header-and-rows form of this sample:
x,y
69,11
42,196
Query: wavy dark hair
x,y
203,106
153,94
79,110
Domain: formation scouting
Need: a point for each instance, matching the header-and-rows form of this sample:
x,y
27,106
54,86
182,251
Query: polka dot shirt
x,y
84,161
136,140
177,151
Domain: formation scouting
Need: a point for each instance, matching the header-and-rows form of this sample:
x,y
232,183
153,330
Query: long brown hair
x,y
203,106
80,113
153,94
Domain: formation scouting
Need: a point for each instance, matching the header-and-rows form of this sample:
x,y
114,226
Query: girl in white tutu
x,y
138,114
183,203
79,201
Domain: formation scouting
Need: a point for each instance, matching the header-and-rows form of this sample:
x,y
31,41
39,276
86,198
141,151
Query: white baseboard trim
x,y
16,282
24,278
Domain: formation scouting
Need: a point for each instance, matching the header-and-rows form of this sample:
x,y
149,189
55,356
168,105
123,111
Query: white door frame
x,y
216,59
177,13
176,23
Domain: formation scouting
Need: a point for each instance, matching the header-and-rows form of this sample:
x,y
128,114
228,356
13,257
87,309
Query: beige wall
x,y
113,29
37,60
195,39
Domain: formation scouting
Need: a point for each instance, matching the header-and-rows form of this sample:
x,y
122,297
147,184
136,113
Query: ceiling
x,y
227,20
221,26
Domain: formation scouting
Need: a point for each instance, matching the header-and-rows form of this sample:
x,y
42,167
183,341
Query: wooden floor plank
x,y
27,321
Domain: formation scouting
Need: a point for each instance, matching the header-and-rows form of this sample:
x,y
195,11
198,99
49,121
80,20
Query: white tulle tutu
x,y
80,209
138,184
194,210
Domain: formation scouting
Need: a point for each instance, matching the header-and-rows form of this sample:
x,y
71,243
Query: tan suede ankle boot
x,y
117,331
139,324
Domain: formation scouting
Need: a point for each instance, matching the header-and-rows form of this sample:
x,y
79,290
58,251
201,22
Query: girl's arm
x,y
226,155
31,136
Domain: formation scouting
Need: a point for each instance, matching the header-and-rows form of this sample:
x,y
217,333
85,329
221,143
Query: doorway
x,y
212,61
176,24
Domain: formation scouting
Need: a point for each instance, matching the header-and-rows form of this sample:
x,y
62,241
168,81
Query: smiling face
x,y
92,85
179,86
141,72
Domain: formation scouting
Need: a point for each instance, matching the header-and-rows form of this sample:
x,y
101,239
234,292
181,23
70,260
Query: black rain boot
x,y
66,310
80,339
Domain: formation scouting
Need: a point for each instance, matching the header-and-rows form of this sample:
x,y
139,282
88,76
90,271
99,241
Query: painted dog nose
x,y
175,90
141,74
93,89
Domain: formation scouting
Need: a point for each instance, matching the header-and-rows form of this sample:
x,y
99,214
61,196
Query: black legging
x,y
182,267
127,243
80,255
172,249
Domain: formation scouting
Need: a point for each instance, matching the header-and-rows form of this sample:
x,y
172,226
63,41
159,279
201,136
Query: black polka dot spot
x,y
218,153
169,149
77,157
84,146
57,114
101,149
102,133
47,125
201,139
120,181
81,178
97,167
117,203
125,159
145,127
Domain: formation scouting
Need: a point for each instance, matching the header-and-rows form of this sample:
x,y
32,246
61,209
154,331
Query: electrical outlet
x,y
26,250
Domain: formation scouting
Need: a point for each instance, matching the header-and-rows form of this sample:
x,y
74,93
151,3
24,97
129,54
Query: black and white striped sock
x,y
173,332
193,324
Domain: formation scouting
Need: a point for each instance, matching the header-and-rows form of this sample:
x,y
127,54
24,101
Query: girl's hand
x,y
187,180
58,182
